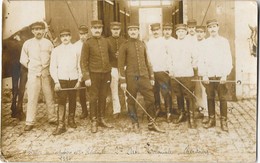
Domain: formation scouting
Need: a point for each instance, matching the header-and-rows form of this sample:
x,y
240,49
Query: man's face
x,y
133,32
213,29
96,31
38,32
200,34
65,38
181,33
192,30
115,31
156,32
83,35
167,32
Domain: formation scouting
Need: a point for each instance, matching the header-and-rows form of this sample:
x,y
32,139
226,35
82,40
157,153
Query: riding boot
x,y
153,127
61,121
94,127
84,113
101,120
71,118
157,111
191,120
223,122
211,123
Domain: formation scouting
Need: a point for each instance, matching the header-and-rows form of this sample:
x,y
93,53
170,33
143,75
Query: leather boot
x,y
153,127
205,120
61,121
198,114
223,122
84,113
94,125
191,120
71,121
102,123
211,123
157,111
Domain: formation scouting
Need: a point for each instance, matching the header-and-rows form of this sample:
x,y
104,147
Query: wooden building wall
x,y
224,12
70,14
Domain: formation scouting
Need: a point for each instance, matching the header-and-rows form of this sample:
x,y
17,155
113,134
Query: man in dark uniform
x,y
96,71
138,75
83,35
115,42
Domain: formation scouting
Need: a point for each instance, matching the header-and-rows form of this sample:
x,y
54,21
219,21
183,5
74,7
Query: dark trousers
x,y
162,84
62,99
182,93
100,83
222,90
140,84
82,97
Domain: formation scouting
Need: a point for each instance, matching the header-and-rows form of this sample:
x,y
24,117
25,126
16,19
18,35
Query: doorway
x,y
147,16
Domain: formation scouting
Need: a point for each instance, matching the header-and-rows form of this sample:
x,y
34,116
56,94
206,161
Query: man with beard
x,y
156,49
65,71
182,70
96,71
35,56
115,42
217,66
83,35
136,71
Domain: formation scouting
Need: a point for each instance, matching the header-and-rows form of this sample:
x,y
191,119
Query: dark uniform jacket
x,y
115,44
95,57
132,54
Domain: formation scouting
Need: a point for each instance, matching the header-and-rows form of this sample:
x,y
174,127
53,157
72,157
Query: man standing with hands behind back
x,y
96,71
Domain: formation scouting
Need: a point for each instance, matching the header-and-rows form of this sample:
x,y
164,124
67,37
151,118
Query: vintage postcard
x,y
129,80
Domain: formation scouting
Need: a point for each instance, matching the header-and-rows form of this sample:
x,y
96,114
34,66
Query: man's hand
x,y
152,82
123,86
171,74
88,83
77,85
205,80
57,87
223,80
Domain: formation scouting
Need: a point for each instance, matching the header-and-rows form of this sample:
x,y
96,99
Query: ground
x,y
178,144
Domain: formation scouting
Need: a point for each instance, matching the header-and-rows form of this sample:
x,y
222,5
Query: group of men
x,y
163,66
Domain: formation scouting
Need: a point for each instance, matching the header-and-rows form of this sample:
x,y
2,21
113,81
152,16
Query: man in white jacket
x,y
217,66
156,49
182,70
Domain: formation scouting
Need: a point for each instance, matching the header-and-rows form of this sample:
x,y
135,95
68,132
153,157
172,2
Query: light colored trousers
x,y
114,90
34,86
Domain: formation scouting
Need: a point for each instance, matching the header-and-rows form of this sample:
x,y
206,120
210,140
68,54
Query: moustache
x,y
97,32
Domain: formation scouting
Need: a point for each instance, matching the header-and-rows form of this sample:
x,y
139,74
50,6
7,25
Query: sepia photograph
x,y
129,81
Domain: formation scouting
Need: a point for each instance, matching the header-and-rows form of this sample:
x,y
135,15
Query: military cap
x,y
167,26
115,24
211,22
201,28
192,23
83,29
155,26
133,25
64,31
180,26
96,23
38,25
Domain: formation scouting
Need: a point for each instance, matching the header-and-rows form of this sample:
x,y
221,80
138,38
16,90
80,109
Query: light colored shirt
x,y
156,50
65,64
170,43
192,38
35,56
182,58
217,57
78,45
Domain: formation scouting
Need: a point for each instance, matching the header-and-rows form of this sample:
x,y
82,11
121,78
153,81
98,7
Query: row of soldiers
x,y
162,65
